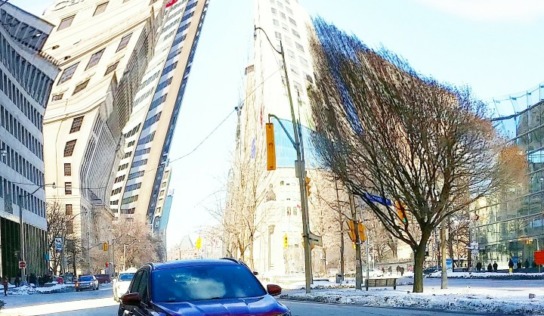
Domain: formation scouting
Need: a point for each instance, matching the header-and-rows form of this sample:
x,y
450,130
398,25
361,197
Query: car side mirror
x,y
133,299
273,289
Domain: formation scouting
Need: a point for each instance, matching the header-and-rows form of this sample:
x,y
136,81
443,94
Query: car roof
x,y
194,262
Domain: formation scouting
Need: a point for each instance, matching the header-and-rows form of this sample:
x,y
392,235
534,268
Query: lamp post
x,y
22,228
299,167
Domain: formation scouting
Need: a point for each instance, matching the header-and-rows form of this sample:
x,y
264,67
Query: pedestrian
x,y
519,265
526,263
17,281
495,266
5,283
489,267
390,270
401,271
479,266
510,266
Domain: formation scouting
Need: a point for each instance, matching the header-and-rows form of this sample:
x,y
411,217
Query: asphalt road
x,y
101,303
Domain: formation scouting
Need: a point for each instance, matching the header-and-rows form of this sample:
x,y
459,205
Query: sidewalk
x,y
479,294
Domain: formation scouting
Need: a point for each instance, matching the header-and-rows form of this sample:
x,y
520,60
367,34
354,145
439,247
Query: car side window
x,y
142,287
134,286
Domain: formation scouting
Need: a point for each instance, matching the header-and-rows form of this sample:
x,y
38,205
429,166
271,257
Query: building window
x,y
69,148
57,97
68,209
67,169
81,86
95,58
66,22
68,188
68,73
124,42
100,8
111,68
76,124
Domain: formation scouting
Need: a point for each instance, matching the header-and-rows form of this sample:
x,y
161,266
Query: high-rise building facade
x,y
277,247
26,77
511,224
139,187
104,48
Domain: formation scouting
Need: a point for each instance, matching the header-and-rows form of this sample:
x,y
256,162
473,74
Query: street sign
x,y
315,240
22,264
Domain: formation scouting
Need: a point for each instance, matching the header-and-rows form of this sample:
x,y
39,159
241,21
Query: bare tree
x,y
134,245
60,225
393,136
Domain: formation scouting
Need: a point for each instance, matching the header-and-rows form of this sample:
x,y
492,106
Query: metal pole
x,y
300,172
124,256
22,237
113,255
444,281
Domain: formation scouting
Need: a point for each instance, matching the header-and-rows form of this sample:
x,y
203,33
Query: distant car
x,y
121,283
86,282
103,278
200,287
432,269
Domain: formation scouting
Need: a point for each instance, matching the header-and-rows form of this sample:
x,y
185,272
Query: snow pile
x,y
482,299
32,289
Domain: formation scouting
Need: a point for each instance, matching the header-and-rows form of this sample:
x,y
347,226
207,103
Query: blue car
x,y
200,287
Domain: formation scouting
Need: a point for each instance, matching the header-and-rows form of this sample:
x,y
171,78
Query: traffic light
x,y
308,186
285,241
270,147
105,246
401,212
361,229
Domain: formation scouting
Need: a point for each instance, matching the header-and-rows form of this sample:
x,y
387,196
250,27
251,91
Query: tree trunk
x,y
419,259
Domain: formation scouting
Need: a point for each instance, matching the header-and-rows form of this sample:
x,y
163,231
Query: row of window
x,y
22,32
68,72
31,78
18,130
20,101
67,21
17,162
10,192
132,131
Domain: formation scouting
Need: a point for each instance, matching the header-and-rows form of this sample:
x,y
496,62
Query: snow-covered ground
x,y
494,293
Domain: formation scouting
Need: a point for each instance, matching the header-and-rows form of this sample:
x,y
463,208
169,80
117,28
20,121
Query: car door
x,y
139,285
143,285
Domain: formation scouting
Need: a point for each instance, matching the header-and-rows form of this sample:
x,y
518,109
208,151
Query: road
x,y
98,303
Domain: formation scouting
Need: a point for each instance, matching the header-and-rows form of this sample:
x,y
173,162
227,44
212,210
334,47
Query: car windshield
x,y
126,276
85,278
204,282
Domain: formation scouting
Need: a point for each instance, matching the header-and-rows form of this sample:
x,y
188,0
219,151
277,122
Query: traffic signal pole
x,y
300,168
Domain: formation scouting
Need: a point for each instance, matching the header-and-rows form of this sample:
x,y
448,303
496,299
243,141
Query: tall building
x,y
26,77
274,196
116,58
511,224
139,187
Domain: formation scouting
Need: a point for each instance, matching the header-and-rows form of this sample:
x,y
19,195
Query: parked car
x,y
103,278
200,287
86,282
432,269
121,283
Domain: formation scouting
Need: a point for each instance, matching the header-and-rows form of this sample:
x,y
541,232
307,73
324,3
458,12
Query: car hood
x,y
266,306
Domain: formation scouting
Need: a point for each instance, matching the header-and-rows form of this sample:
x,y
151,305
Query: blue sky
x,y
493,46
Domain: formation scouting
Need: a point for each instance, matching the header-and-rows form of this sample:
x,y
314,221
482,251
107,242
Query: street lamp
x,y
299,166
22,229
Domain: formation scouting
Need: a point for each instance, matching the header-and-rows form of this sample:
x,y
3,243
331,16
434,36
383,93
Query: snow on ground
x,y
486,296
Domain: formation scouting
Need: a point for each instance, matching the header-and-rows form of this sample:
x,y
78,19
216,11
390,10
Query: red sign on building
x,y
539,257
